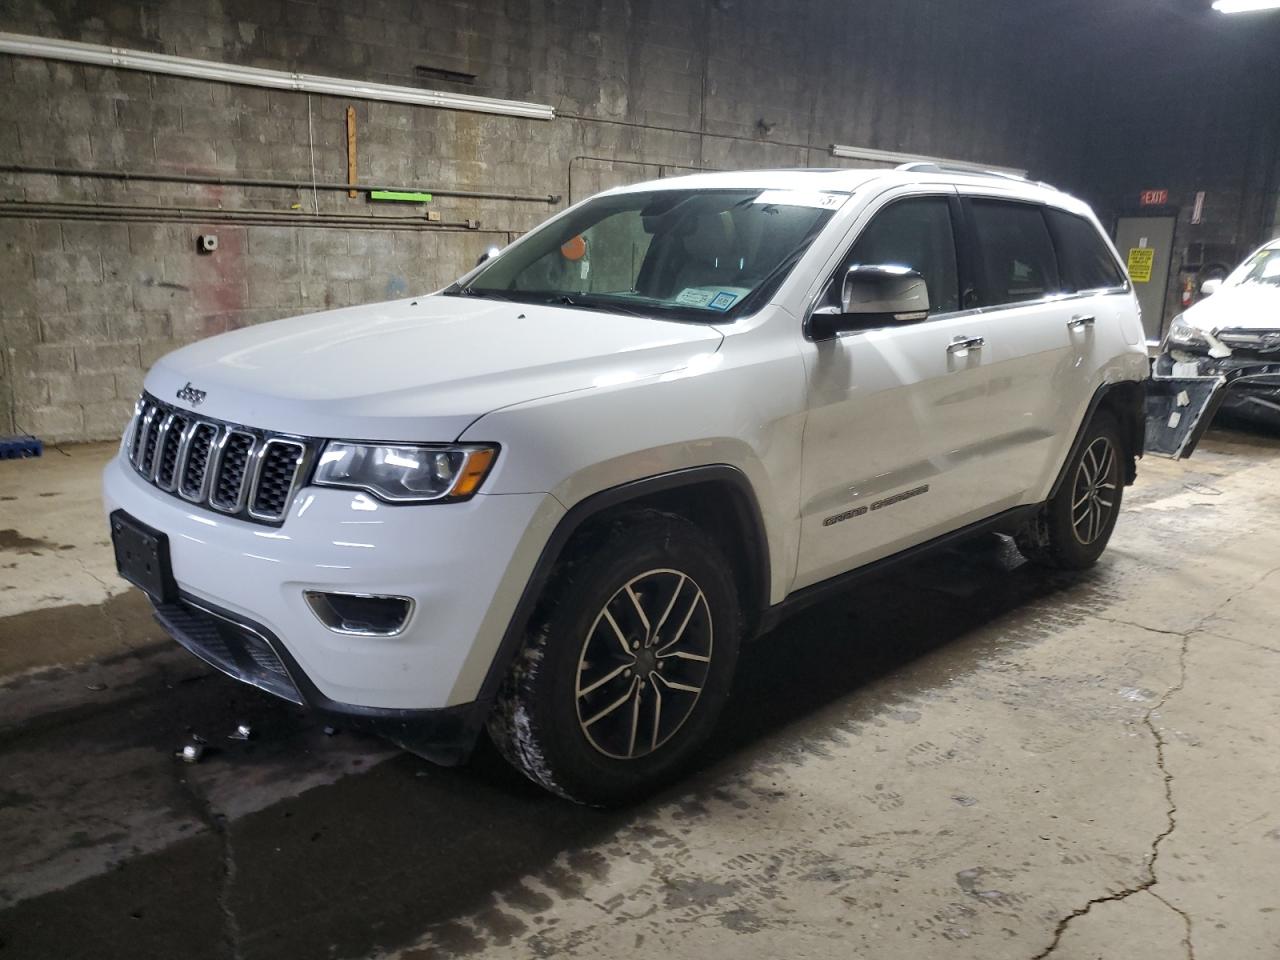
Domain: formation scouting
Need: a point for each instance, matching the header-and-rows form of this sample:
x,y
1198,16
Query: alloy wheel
x,y
1094,492
643,664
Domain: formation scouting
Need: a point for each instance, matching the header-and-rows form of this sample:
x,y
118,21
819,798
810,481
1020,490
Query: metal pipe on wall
x,y
221,181
634,163
128,213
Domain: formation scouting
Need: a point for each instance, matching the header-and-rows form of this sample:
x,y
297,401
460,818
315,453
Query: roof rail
x,y
929,166
974,170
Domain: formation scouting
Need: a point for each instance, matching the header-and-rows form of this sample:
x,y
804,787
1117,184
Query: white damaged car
x,y
1234,335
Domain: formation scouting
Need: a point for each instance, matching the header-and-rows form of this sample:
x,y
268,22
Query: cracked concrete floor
x,y
967,759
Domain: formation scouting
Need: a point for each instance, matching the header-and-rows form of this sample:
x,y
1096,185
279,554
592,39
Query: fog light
x,y
360,614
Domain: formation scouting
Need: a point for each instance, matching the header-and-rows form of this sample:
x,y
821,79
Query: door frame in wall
x,y
1165,212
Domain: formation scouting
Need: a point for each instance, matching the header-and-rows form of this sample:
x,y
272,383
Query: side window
x,y
1085,260
913,233
1017,256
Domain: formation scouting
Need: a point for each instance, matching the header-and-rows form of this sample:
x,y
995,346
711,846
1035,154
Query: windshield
x,y
683,254
1262,267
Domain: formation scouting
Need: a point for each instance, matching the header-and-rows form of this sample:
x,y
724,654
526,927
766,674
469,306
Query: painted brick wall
x,y
643,88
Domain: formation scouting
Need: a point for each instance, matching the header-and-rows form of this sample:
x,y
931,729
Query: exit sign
x,y
1154,198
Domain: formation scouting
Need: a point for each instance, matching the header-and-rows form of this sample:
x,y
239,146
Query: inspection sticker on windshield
x,y
695,296
801,198
713,298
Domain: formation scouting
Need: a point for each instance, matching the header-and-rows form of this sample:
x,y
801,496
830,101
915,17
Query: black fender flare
x,y
1128,399
746,511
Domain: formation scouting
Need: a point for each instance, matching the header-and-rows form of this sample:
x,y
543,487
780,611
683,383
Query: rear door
x,y
1037,343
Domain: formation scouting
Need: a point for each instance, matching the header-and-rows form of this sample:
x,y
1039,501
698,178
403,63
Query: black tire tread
x,y
514,723
1047,541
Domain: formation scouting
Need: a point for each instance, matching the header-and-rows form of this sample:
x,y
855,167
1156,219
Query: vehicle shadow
x,y
372,861
482,828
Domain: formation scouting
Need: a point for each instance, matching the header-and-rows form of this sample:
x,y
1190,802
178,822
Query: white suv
x,y
554,497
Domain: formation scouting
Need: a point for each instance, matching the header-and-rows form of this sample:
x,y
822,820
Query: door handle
x,y
1081,322
964,343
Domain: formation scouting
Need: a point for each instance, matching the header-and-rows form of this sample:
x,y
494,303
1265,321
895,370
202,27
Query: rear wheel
x,y
1074,527
627,664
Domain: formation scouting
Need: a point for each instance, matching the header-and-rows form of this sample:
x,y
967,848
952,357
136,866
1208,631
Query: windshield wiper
x,y
469,291
605,305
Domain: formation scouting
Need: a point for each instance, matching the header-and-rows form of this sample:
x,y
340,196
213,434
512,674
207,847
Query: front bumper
x,y
1253,383
248,652
463,564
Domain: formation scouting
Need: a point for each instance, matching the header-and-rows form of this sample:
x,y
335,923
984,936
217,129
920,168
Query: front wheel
x,y
1074,527
627,664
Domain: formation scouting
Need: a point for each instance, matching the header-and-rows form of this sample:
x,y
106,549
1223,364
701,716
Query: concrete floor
x,y
968,759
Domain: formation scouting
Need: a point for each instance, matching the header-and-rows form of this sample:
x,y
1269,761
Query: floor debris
x,y
191,753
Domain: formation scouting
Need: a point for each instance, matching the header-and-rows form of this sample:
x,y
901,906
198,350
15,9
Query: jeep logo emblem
x,y
191,395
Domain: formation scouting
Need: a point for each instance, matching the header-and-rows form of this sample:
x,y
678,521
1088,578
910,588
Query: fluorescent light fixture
x,y
1245,6
892,157
92,53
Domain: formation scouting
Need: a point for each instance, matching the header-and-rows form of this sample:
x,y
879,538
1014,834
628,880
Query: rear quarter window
x,y
1083,256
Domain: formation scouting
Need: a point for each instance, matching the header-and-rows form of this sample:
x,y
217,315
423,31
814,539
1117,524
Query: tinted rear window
x,y
1017,257
1083,256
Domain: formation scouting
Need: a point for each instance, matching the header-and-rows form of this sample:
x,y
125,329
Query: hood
x,y
418,369
1248,306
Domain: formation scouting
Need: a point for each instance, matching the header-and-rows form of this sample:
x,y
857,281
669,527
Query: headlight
x,y
405,473
1183,334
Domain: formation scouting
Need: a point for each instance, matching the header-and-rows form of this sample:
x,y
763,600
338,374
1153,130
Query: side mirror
x,y
873,296
1211,286
487,255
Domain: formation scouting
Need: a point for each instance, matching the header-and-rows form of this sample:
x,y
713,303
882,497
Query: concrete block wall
x,y
102,301
643,88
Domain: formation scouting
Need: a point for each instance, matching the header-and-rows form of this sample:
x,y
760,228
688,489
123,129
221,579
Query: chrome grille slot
x,y
137,429
277,470
200,446
232,470
170,449
242,471
146,459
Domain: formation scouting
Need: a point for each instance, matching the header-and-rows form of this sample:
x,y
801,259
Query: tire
x,y
1073,528
599,722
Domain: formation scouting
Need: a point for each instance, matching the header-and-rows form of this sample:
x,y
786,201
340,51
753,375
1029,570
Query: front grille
x,y
242,471
1251,341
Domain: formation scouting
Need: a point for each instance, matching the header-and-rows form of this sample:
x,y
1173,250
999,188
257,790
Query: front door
x,y
889,408
1146,246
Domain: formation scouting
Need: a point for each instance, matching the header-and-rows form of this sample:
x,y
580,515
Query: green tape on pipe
x,y
406,196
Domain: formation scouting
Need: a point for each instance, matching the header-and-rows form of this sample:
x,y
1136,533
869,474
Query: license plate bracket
x,y
142,557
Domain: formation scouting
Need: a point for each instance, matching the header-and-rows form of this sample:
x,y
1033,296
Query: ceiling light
x,y
1245,6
